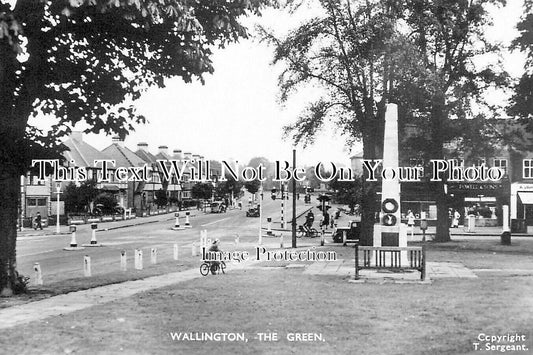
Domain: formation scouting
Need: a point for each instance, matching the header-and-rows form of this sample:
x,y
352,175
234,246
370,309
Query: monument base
x,y
390,239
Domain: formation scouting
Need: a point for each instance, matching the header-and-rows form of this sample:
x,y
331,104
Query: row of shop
x,y
484,200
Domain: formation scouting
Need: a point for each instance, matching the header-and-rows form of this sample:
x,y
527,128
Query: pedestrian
x,y
325,220
38,222
309,219
411,222
456,216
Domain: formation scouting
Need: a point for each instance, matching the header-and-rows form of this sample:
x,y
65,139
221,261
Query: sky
x,y
236,115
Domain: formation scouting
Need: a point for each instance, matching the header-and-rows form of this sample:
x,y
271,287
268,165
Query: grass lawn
x,y
444,317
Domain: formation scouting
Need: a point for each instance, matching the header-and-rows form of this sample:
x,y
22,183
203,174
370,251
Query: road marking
x,y
220,220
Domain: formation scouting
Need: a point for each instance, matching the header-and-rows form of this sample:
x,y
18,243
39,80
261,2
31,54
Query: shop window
x,y
41,202
501,164
31,202
527,168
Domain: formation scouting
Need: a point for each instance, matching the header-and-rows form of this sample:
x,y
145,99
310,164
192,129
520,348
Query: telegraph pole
x,y
293,199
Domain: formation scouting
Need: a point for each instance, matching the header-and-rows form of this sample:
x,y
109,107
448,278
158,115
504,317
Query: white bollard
x,y
153,256
177,223
193,249
138,259
269,226
38,280
87,266
505,214
187,221
281,240
73,243
123,261
93,242
322,237
176,250
203,238
237,240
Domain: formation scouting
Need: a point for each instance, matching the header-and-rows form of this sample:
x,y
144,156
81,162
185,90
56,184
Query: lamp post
x,y
58,191
260,241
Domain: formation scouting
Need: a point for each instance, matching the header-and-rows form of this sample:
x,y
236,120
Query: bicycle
x,y
206,267
305,231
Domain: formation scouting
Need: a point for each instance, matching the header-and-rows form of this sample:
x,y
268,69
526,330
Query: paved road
x,y
58,264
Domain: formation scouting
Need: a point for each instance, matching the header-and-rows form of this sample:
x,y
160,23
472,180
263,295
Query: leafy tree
x,y
417,53
229,187
269,170
107,202
252,186
161,197
78,198
347,51
202,191
522,100
446,36
81,61
347,192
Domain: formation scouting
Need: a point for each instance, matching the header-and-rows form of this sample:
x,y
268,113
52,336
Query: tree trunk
x,y
369,204
9,197
438,117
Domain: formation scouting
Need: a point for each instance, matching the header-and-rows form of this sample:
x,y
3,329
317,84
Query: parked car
x,y
218,207
252,212
100,210
352,232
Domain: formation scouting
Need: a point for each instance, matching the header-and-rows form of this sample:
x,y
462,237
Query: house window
x,y
527,170
31,202
41,202
481,161
501,164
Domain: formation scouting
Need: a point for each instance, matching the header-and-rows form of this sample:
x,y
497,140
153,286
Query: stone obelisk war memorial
x,y
389,232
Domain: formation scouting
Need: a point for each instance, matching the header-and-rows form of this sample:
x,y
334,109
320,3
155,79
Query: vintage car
x,y
353,232
253,212
218,207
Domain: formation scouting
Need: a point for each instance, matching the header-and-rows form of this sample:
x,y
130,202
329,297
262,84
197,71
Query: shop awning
x,y
526,198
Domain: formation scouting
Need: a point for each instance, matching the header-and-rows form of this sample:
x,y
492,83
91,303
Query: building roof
x,y
146,156
82,153
123,156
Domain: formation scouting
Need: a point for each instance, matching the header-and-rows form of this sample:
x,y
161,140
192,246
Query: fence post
x,y
357,261
423,272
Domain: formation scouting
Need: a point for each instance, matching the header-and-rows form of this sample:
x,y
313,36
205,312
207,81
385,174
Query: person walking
x,y
455,221
38,222
411,222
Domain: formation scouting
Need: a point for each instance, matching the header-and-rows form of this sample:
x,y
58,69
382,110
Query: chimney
x,y
177,154
196,157
76,135
163,149
142,146
187,156
118,141
202,158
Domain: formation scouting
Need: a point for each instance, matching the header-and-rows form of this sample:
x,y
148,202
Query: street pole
x,y
293,199
58,191
282,205
260,213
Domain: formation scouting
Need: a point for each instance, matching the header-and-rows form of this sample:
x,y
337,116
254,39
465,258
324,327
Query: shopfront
x,y
521,202
482,199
